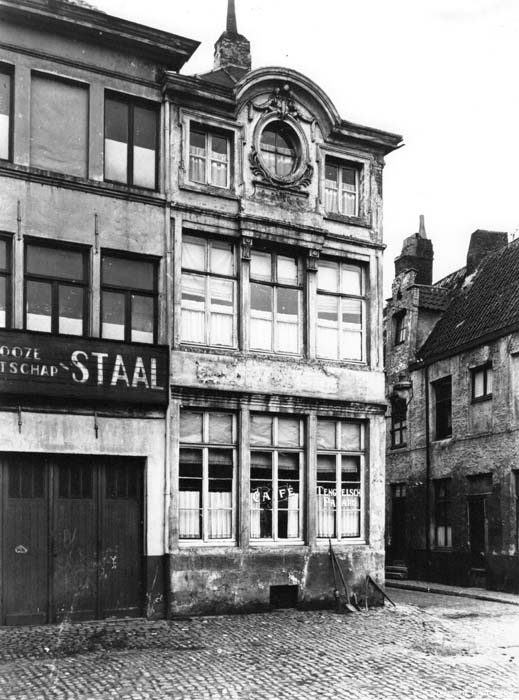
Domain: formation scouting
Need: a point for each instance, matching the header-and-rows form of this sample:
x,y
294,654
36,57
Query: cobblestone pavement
x,y
410,652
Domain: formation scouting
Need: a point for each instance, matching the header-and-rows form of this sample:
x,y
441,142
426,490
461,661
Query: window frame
x,y
484,370
128,291
399,327
8,70
131,102
207,275
443,422
399,425
363,298
275,285
276,127
7,274
274,449
339,451
56,282
209,132
205,446
340,163
442,512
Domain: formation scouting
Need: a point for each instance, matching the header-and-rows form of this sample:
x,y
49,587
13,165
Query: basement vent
x,y
283,596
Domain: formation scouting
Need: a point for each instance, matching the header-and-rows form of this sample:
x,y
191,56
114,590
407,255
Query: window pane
x,y
261,430
261,265
222,312
351,280
221,258
350,466
193,254
219,146
220,428
326,439
3,247
55,262
351,314
3,302
330,173
261,495
190,427
218,173
288,495
190,494
287,270
288,432
328,276
144,146
261,317
479,378
116,120
39,306
128,273
116,140
350,436
489,380
112,321
349,177
193,308
328,326
220,487
197,142
326,495
287,320
142,319
71,309
5,112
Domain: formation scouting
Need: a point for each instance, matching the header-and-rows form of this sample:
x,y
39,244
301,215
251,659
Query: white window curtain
x,y
325,515
220,515
350,513
293,516
255,510
189,512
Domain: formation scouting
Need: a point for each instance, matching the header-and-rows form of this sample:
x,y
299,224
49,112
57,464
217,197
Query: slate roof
x,y
484,306
430,297
227,77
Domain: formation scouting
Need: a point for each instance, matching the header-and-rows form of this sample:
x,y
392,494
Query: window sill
x,y
260,544
447,438
481,399
325,543
361,221
398,447
225,192
198,544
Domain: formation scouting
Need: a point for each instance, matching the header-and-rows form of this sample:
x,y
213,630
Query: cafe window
x,y
207,476
208,292
59,125
56,289
442,513
128,299
209,156
131,141
5,281
481,379
340,458
6,111
276,478
341,311
275,303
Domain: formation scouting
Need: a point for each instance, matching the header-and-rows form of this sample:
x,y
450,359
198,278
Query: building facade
x,y
191,375
451,353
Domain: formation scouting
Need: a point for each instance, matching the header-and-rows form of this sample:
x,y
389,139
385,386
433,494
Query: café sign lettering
x,y
82,368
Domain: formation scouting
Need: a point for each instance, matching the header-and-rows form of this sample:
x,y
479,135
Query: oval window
x,y
279,149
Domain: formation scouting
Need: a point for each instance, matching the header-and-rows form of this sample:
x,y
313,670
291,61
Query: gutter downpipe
x,y
427,473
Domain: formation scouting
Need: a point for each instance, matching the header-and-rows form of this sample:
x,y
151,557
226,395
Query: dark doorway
x,y
477,531
398,523
72,538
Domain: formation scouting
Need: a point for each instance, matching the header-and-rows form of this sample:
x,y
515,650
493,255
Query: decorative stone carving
x,y
302,180
283,104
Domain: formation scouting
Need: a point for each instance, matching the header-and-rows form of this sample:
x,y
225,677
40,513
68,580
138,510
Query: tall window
x,y
340,311
278,145
59,125
56,289
515,476
443,407
276,477
6,78
340,446
482,383
208,292
128,299
209,157
398,423
399,320
5,282
207,476
341,186
131,147
442,513
275,303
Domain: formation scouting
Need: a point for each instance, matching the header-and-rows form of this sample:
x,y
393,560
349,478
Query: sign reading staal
x,y
83,368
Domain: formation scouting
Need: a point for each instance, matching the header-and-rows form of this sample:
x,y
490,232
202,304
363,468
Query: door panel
x,y
25,564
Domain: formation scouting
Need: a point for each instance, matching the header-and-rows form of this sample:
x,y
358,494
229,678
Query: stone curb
x,y
450,590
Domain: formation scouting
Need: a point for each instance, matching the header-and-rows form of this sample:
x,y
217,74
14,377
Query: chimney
x,y
417,254
232,49
482,243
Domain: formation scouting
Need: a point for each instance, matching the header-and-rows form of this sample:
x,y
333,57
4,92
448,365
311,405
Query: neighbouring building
x,y
452,358
191,369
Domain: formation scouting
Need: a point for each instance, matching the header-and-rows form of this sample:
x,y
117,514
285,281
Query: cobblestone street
x,y
453,648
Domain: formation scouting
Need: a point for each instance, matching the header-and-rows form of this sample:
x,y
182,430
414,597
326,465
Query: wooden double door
x,y
71,537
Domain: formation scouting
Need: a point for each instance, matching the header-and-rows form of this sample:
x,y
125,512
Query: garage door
x,y
71,538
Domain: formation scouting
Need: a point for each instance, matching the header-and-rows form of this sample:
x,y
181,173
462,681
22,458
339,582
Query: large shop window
x,y
209,156
6,88
442,513
208,292
131,141
276,477
275,303
207,476
5,282
443,407
341,188
59,125
341,311
340,457
56,289
128,299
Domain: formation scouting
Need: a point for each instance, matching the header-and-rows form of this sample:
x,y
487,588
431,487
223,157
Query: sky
x,y
442,73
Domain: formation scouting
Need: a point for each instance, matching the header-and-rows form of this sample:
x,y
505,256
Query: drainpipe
x,y
427,473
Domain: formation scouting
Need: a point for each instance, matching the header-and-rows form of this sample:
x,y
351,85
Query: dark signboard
x,y
37,364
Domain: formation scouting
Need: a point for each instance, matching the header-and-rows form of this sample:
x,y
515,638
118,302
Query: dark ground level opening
x,y
72,537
